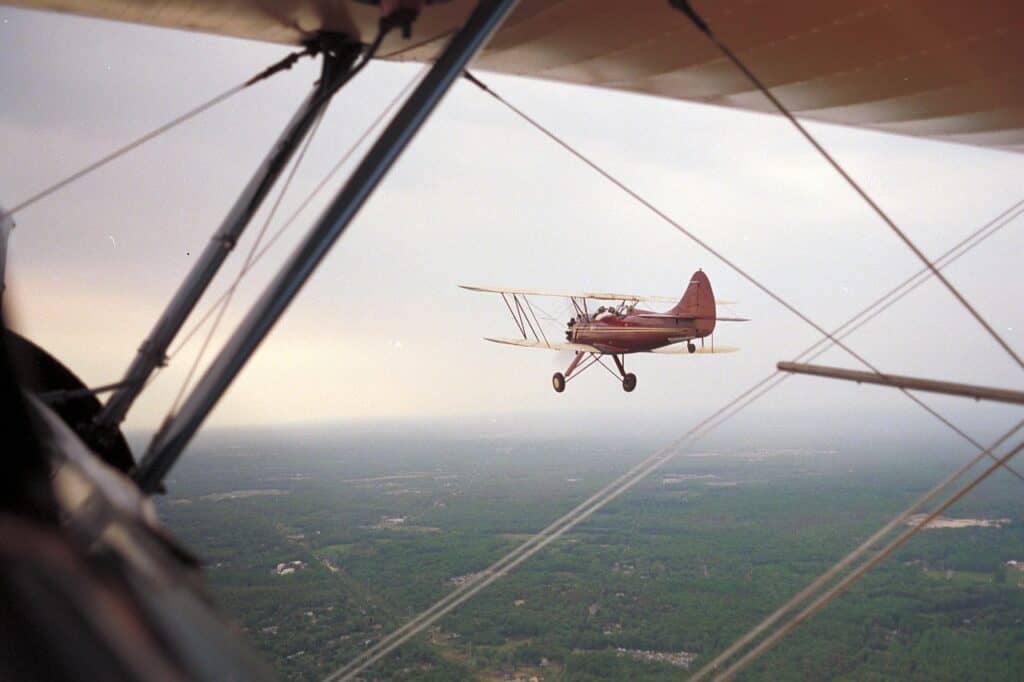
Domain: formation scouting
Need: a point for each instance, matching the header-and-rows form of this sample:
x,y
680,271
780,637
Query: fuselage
x,y
631,331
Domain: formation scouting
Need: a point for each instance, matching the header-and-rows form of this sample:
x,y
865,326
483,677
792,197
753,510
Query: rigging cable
x,y
386,26
225,300
717,254
883,303
281,65
601,497
929,266
545,537
684,7
298,211
625,481
862,570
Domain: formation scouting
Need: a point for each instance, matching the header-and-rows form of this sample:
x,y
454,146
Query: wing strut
x,y
1001,395
339,54
175,434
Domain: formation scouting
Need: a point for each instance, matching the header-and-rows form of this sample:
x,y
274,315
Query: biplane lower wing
x,y
674,349
530,343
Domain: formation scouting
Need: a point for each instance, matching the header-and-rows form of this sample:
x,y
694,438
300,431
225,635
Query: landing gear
x,y
558,380
690,347
628,378
585,359
629,382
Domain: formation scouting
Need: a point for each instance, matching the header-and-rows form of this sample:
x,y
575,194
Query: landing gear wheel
x,y
629,382
558,382
691,348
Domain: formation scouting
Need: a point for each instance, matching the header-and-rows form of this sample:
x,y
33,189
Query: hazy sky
x,y
383,331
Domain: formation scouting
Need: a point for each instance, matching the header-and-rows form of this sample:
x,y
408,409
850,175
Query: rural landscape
x,y
317,546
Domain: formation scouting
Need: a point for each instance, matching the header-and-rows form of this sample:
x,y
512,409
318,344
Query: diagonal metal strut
x,y
338,54
171,440
1001,395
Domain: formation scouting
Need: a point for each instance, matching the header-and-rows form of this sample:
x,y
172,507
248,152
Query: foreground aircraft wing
x,y
680,349
591,295
941,69
529,343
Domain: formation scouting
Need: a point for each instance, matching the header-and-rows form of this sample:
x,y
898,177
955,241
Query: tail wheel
x,y
691,348
558,382
629,382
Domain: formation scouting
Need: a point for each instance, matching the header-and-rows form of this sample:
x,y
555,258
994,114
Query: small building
x,y
289,567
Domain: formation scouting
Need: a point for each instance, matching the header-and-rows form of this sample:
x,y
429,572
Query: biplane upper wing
x,y
590,295
530,343
928,68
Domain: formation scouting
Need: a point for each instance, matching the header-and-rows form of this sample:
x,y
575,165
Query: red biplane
x,y
619,328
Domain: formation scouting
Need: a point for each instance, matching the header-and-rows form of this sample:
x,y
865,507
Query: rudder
x,y
698,302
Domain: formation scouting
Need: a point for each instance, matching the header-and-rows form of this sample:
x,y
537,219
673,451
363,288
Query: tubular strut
x,y
339,54
175,434
578,365
911,383
620,362
572,366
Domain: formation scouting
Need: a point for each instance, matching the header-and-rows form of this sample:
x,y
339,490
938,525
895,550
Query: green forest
x,y
319,546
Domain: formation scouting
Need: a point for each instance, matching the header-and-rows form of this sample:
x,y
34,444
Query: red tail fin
x,y
699,302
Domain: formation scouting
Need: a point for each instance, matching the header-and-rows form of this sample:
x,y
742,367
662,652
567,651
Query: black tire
x,y
558,382
629,382
691,348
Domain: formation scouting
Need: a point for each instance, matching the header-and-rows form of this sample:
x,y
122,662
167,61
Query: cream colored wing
x,y
528,343
592,295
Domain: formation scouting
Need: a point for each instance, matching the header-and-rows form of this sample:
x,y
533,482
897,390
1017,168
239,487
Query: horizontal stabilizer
x,y
530,343
680,349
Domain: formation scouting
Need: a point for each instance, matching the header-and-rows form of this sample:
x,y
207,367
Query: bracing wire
x,y
714,252
828,337
525,551
297,212
225,301
285,63
844,584
222,303
882,304
703,27
535,544
581,511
